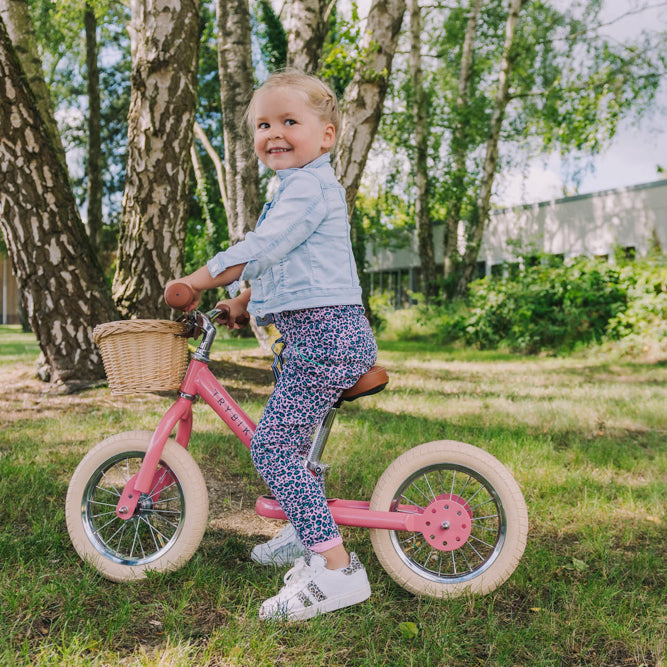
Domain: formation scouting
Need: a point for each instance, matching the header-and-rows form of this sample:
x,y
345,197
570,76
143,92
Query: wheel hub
x,y
447,522
145,504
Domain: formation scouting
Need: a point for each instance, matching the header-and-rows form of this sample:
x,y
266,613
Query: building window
x,y
629,253
480,270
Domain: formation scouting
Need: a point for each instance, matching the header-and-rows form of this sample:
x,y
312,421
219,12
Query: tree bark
x,y
478,222
364,97
459,146
61,284
236,87
306,32
164,43
94,166
428,282
241,170
16,16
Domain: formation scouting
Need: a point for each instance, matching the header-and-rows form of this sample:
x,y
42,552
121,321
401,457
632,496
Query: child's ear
x,y
329,136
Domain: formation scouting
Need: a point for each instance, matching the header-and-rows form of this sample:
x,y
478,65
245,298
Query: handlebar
x,y
179,295
241,320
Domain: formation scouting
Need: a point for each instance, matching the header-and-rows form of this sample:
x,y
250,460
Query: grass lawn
x,y
585,437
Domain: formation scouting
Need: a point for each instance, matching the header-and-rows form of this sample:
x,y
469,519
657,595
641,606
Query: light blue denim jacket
x,y
300,254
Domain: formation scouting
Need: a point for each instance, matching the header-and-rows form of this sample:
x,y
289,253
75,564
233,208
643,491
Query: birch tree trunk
x,y
241,171
364,97
164,44
61,284
477,224
306,32
459,145
94,166
236,87
419,114
16,16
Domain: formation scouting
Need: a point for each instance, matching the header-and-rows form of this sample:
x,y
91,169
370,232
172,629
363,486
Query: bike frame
x,y
199,381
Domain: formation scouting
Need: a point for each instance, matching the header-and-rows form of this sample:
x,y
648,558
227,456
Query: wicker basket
x,y
143,355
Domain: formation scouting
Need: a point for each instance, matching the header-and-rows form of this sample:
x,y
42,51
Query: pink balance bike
x,y
446,518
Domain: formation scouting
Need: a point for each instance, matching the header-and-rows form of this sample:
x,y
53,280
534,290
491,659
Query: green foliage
x,y
546,307
645,318
340,52
439,325
550,306
272,36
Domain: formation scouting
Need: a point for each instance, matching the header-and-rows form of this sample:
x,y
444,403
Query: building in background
x,y
9,293
631,220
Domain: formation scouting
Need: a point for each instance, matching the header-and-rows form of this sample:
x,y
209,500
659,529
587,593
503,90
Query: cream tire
x,y
167,526
451,479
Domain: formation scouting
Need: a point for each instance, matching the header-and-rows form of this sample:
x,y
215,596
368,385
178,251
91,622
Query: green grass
x,y
584,436
16,346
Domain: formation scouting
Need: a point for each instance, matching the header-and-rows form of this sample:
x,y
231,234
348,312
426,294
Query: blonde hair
x,y
318,95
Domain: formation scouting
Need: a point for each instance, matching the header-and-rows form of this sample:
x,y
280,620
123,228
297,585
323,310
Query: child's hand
x,y
234,313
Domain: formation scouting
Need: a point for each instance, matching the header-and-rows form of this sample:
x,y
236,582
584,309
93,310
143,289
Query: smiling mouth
x,y
273,151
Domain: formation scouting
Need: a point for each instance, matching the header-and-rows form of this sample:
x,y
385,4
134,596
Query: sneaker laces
x,y
296,576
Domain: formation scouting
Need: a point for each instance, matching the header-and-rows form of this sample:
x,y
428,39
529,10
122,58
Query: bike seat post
x,y
313,462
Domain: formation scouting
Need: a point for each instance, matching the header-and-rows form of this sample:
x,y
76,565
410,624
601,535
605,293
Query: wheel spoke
x,y
99,502
113,492
488,516
113,488
416,488
433,496
152,532
108,523
486,544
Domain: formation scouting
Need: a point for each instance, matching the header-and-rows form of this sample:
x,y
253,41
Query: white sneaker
x,y
283,549
311,589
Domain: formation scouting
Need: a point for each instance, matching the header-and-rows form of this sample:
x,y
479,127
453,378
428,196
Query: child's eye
x,y
289,122
263,126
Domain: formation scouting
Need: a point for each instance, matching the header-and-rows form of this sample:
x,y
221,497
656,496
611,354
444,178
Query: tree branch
x,y
217,163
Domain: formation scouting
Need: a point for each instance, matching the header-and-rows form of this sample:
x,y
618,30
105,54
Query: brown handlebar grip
x,y
223,315
241,320
178,295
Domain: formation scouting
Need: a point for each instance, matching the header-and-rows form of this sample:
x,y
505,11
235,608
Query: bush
x,y
643,324
436,324
546,307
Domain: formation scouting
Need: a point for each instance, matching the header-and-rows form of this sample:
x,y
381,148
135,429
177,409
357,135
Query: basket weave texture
x,y
143,355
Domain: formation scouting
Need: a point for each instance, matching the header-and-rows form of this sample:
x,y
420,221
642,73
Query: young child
x,y
302,276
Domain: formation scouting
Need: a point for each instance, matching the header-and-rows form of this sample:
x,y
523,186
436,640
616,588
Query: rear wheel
x,y
474,520
167,525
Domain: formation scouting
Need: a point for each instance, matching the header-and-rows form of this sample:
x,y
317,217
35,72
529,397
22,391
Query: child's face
x,y
288,132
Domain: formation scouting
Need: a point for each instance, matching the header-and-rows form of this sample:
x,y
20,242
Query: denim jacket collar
x,y
317,162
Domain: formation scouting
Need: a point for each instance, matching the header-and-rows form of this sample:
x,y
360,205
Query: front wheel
x,y
473,513
167,525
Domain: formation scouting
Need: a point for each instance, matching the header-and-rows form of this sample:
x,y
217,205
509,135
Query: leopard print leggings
x,y
327,350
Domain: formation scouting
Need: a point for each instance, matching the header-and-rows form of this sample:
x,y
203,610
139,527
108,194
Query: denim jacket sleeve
x,y
296,211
